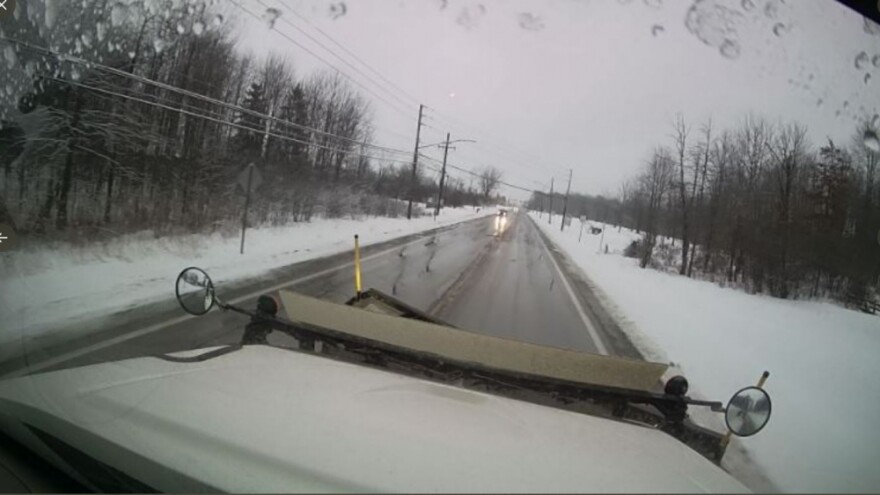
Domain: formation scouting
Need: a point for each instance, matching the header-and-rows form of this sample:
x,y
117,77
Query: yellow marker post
x,y
357,268
726,438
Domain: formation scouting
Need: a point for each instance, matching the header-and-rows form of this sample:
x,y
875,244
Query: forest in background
x,y
756,206
141,116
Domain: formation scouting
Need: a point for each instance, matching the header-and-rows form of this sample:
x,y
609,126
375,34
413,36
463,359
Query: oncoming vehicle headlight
x,y
500,223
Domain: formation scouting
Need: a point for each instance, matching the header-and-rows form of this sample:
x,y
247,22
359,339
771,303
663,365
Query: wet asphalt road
x,y
515,292
477,275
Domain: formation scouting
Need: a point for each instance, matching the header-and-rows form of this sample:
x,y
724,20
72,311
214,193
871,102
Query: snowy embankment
x,y
41,289
824,370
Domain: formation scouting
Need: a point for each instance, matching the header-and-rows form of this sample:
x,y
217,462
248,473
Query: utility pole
x,y
265,145
442,177
247,202
362,160
412,182
550,209
565,204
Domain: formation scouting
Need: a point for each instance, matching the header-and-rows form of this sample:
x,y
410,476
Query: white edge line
x,y
600,346
167,323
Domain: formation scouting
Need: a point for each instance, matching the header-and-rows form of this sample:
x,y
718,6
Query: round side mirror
x,y
748,411
195,291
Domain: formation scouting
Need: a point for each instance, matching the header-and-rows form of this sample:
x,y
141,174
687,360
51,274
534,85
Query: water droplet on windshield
x,y
819,102
716,25
871,27
180,28
9,55
876,61
158,45
86,39
153,6
861,60
656,29
867,77
871,141
118,14
654,3
748,5
198,28
730,48
101,31
771,9
218,20
779,29
52,7
845,105
131,54
338,10
530,22
270,16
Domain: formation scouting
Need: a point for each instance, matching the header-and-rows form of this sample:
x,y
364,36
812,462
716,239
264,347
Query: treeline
x,y
761,207
599,208
128,143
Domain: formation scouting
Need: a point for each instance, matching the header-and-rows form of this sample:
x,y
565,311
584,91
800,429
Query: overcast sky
x,y
545,86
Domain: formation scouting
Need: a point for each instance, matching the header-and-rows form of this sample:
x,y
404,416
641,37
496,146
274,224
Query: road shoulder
x,y
601,310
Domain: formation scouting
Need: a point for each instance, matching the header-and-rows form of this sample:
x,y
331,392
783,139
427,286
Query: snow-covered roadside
x,y
822,359
41,288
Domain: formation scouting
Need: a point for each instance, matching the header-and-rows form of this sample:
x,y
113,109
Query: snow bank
x,y
44,288
824,370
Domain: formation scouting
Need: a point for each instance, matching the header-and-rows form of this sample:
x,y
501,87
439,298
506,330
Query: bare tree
x,y
654,183
701,166
788,151
489,179
680,132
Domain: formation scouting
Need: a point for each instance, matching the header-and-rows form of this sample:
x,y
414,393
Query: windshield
x,y
691,183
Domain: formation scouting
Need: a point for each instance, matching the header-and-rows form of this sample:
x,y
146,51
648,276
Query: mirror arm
x,y
229,307
711,404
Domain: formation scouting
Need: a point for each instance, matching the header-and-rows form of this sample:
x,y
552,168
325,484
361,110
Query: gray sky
x,y
591,85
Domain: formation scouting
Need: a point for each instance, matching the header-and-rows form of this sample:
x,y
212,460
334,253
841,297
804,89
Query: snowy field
x,y
823,361
41,289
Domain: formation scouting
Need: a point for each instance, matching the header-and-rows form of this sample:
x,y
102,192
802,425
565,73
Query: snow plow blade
x,y
377,318
378,330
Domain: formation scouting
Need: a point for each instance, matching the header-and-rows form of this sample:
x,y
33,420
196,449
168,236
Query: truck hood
x,y
263,419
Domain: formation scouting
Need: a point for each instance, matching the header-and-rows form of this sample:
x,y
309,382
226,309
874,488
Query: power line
x,y
349,52
191,94
392,94
510,156
479,175
224,122
216,119
354,56
310,52
456,122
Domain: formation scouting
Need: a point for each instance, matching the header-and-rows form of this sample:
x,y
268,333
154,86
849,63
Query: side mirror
x,y
748,411
195,291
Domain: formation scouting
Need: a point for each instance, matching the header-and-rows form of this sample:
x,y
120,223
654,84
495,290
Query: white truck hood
x,y
263,419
